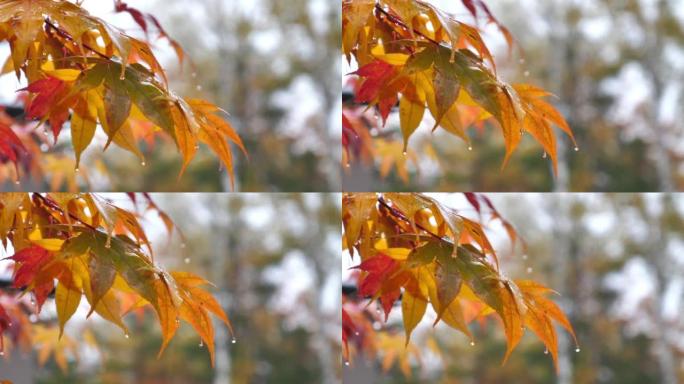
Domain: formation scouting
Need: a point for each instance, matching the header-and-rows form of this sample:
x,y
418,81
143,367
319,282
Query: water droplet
x,y
126,335
2,353
33,318
9,324
472,343
233,341
544,155
346,363
33,302
348,165
46,132
577,349
526,73
143,163
546,351
529,269
378,311
576,149
201,344
356,333
17,182
123,76
524,257
199,87
186,260
77,170
470,147
404,153
44,147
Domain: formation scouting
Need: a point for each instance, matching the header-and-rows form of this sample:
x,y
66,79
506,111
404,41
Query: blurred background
x,y
275,262
615,259
273,65
617,69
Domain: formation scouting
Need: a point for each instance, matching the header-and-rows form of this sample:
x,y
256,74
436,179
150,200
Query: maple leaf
x,y
414,54
81,245
81,68
11,147
423,253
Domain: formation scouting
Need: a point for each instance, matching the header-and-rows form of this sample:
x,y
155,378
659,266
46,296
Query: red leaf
x,y
46,91
348,329
11,146
378,268
31,260
472,199
376,74
138,16
387,300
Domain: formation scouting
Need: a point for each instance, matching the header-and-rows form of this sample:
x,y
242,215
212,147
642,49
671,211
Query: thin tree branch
x,y
400,23
64,34
54,206
398,214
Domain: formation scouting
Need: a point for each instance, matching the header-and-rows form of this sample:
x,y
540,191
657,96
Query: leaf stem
x,y
401,23
400,215
67,36
54,206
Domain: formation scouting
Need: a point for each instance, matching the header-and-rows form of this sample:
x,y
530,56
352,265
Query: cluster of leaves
x,y
76,245
79,67
413,54
415,250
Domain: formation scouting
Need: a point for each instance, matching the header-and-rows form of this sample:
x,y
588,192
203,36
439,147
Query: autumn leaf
x,y
414,54
82,245
418,251
81,69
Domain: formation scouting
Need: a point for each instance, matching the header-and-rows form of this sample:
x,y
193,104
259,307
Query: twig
x,y
400,23
67,36
59,209
398,214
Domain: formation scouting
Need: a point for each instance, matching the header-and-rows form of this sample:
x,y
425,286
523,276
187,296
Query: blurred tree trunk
x,y
226,240
563,38
562,230
654,67
663,270
322,263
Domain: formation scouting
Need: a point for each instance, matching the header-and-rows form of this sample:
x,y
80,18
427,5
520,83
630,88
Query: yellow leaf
x,y
397,253
411,114
67,300
412,309
52,245
64,74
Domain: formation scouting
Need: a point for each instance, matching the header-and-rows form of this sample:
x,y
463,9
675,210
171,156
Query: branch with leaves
x,y
82,245
81,69
416,56
419,252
